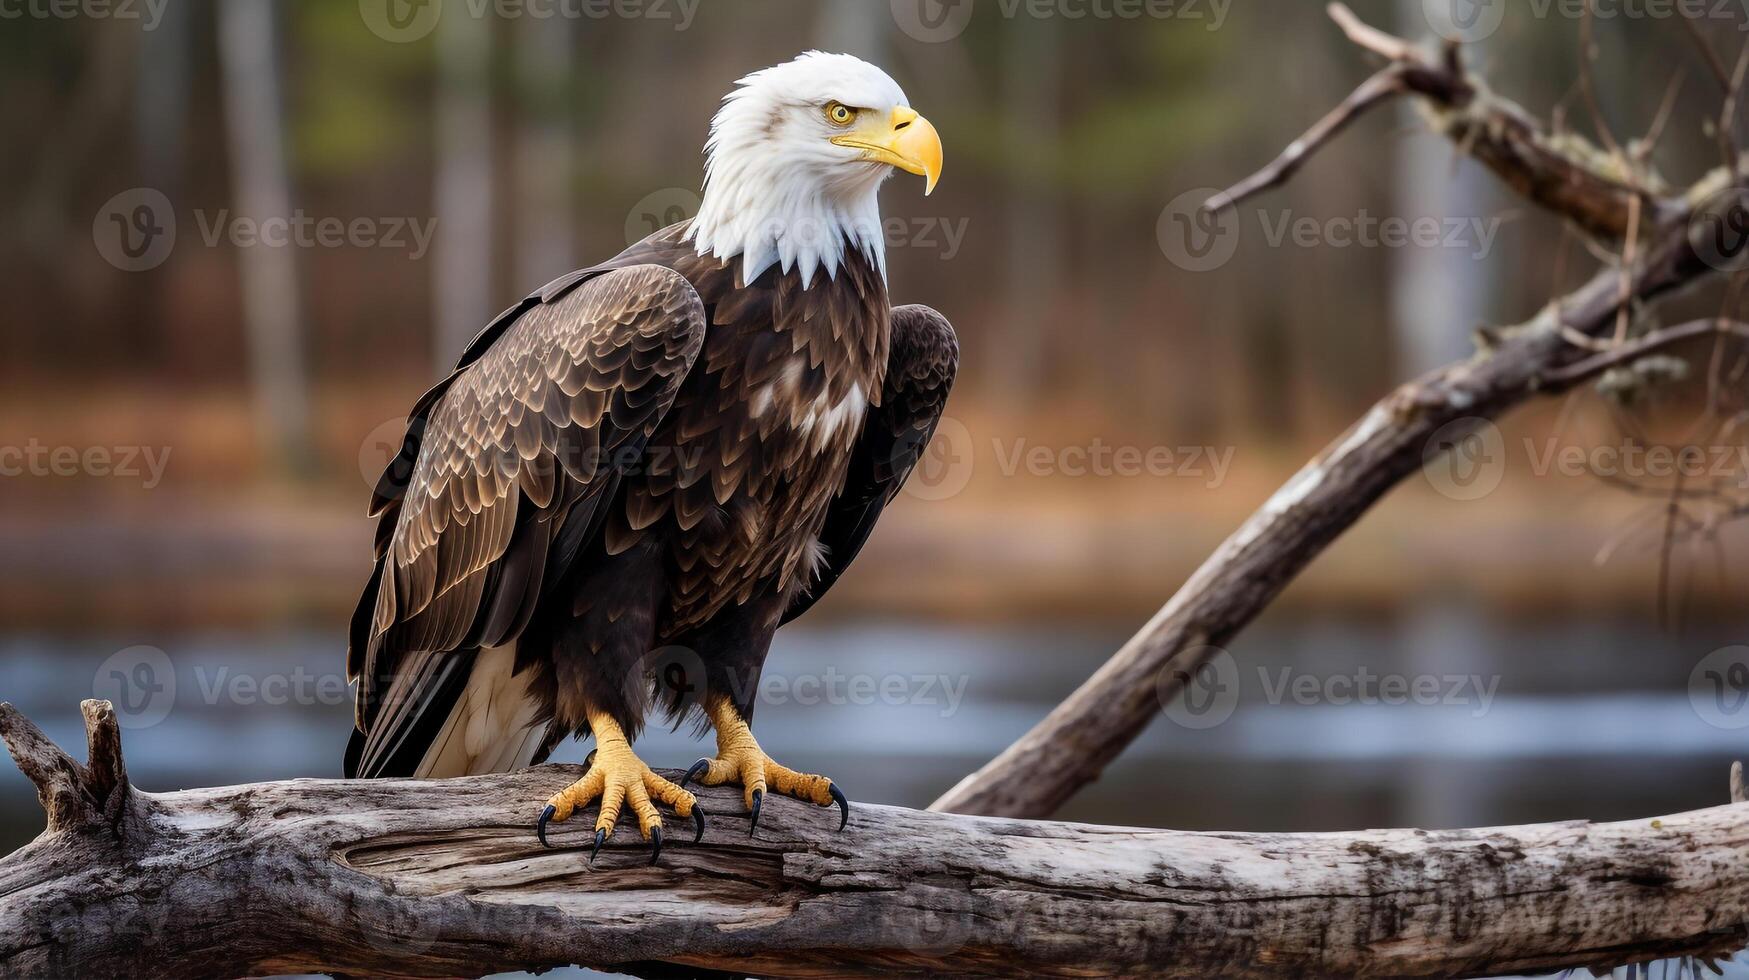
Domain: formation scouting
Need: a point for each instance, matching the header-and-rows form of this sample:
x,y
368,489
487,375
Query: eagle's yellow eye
x,y
839,114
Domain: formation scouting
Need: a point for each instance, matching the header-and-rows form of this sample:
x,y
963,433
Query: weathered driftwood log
x,y
1074,743
405,877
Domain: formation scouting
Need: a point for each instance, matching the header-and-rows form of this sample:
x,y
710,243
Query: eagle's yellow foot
x,y
740,759
617,776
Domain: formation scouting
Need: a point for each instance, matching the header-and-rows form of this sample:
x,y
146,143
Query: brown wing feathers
x,y
503,453
920,370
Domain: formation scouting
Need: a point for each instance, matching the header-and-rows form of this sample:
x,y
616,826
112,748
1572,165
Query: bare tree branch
x,y
1566,175
1387,84
444,878
1414,424
1634,350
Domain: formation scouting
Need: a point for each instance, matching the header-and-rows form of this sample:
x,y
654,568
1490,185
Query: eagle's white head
x,y
795,159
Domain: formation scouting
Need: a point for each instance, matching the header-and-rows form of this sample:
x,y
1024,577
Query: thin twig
x,y
1387,83
1370,37
1656,340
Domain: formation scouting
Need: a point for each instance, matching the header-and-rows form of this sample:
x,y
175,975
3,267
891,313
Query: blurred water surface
x,y
1302,727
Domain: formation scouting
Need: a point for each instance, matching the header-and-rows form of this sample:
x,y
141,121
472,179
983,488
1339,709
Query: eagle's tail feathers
x,y
494,726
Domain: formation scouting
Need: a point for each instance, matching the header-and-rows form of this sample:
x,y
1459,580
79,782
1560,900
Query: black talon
x,y
600,839
540,826
655,843
753,824
698,819
843,804
697,769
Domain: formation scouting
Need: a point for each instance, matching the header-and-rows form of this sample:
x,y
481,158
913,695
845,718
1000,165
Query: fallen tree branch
x,y
444,878
1074,743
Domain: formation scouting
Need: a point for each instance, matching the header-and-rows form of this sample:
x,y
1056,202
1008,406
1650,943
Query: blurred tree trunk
x,y
1439,295
254,122
462,284
854,27
1032,68
161,100
545,166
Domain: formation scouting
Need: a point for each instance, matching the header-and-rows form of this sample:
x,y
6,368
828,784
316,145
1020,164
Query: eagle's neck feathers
x,y
765,219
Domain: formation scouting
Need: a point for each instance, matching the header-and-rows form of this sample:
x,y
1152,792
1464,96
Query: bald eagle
x,y
679,449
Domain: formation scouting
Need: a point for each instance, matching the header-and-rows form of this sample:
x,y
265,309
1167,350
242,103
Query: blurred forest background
x,y
463,161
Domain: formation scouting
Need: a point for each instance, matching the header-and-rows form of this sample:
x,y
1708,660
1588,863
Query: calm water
x,y
1440,718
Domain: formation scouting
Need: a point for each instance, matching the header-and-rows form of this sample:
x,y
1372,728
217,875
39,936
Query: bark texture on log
x,y
444,878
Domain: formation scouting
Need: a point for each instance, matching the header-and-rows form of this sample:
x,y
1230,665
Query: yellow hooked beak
x,y
906,140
